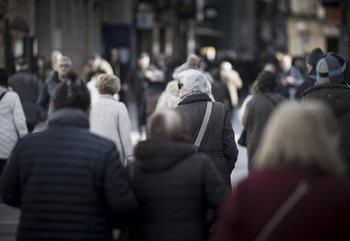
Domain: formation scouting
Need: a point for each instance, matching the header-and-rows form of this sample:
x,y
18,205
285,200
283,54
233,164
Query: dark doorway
x,y
116,36
332,44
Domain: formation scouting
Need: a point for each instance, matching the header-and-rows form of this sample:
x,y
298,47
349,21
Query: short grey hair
x,y
195,81
65,59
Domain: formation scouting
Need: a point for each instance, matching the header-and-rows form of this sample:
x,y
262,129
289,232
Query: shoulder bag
x,y
199,138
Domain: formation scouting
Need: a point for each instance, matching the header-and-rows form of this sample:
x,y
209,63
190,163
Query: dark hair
x,y
4,77
71,93
267,81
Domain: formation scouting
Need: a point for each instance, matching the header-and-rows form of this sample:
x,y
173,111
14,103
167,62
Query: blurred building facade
x,y
170,27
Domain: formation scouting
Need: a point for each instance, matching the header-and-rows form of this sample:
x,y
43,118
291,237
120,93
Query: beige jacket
x,y
110,118
233,81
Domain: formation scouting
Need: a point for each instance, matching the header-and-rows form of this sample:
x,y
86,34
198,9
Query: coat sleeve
x,y
19,118
226,223
42,103
120,198
215,187
230,150
10,182
124,127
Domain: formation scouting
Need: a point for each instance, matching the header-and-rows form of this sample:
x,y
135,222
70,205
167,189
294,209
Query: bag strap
x,y
2,95
272,223
199,138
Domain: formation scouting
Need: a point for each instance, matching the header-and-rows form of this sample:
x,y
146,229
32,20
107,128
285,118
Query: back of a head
x,y
195,81
266,81
301,135
314,56
71,94
331,68
192,61
21,63
4,77
170,124
108,84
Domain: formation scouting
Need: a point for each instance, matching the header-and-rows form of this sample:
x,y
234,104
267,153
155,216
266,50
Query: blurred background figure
x,y
40,69
55,56
100,63
175,186
258,111
310,80
297,165
232,79
64,66
91,85
120,70
169,99
27,87
288,76
110,118
68,183
218,139
331,87
145,84
12,121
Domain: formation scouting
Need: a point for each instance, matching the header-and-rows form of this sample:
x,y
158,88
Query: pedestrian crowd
x,y
68,162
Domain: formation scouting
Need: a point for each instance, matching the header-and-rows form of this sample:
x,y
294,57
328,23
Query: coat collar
x,y
158,154
194,98
69,117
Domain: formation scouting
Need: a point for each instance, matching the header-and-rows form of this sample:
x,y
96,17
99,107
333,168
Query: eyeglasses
x,y
179,85
64,65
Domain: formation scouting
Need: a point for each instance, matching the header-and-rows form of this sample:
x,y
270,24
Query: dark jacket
x,y
322,214
68,182
290,90
338,98
219,138
46,93
257,113
175,187
27,87
308,83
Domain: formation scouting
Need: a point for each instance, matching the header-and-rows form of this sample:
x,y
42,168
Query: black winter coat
x,y
219,138
27,87
68,182
255,118
337,96
175,187
46,93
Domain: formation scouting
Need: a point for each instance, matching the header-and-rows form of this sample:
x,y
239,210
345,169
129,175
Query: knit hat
x,y
3,77
331,68
315,55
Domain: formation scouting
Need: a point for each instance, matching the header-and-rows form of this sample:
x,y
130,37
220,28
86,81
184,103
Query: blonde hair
x,y
301,135
108,84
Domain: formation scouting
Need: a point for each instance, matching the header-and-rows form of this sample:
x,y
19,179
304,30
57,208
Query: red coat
x,y
322,214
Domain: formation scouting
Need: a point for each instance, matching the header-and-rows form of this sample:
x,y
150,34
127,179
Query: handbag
x,y
242,138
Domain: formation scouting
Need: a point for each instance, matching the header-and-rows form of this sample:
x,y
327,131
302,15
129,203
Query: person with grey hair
x,y
218,138
64,66
297,190
166,166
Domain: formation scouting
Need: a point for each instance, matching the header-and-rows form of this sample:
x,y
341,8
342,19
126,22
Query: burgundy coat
x,y
322,214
